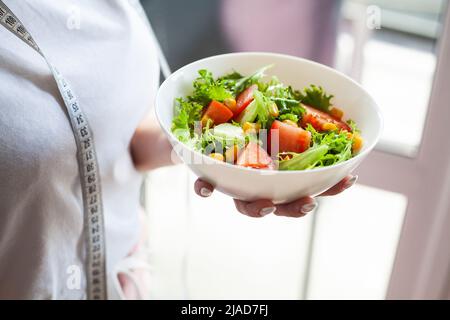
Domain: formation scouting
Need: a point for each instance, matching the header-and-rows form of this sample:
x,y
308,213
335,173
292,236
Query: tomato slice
x,y
217,112
290,138
318,118
255,157
244,99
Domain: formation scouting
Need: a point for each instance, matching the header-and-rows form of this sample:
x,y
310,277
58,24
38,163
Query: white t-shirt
x,y
111,64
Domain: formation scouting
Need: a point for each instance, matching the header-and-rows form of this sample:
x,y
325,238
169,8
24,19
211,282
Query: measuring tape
x,y
87,163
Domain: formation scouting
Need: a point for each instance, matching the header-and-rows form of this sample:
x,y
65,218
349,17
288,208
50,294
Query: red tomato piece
x,y
318,118
217,112
290,138
244,99
255,157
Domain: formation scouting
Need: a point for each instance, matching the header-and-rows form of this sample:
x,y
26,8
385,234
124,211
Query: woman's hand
x,y
261,208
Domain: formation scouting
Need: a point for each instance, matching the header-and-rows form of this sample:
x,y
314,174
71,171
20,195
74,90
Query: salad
x,y
250,122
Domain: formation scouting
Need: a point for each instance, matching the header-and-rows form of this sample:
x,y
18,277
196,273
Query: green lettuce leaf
x,y
207,89
276,89
328,148
286,98
263,105
289,116
304,160
186,114
353,126
245,82
316,97
340,146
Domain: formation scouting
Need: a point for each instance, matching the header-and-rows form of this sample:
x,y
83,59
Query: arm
x,y
150,148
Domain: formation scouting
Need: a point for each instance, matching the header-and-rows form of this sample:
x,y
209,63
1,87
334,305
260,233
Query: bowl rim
x,y
284,56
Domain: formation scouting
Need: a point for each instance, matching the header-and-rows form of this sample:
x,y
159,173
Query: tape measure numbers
x,y
87,163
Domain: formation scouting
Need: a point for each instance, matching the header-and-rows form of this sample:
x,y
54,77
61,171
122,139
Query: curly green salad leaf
x,y
186,114
229,80
287,99
316,97
207,89
353,126
263,105
245,82
328,148
276,89
289,116
339,143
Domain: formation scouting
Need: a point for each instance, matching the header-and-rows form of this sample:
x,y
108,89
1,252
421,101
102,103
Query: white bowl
x,y
279,186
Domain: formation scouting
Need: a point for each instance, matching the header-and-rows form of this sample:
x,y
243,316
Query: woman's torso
x,y
104,50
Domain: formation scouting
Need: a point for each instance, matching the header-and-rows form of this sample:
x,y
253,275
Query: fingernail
x,y
307,208
350,182
265,211
205,192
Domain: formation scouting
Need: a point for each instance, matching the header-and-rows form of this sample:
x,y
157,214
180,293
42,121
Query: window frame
x,y
421,265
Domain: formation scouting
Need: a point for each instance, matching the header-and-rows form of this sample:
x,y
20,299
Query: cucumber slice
x,y
249,114
228,131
